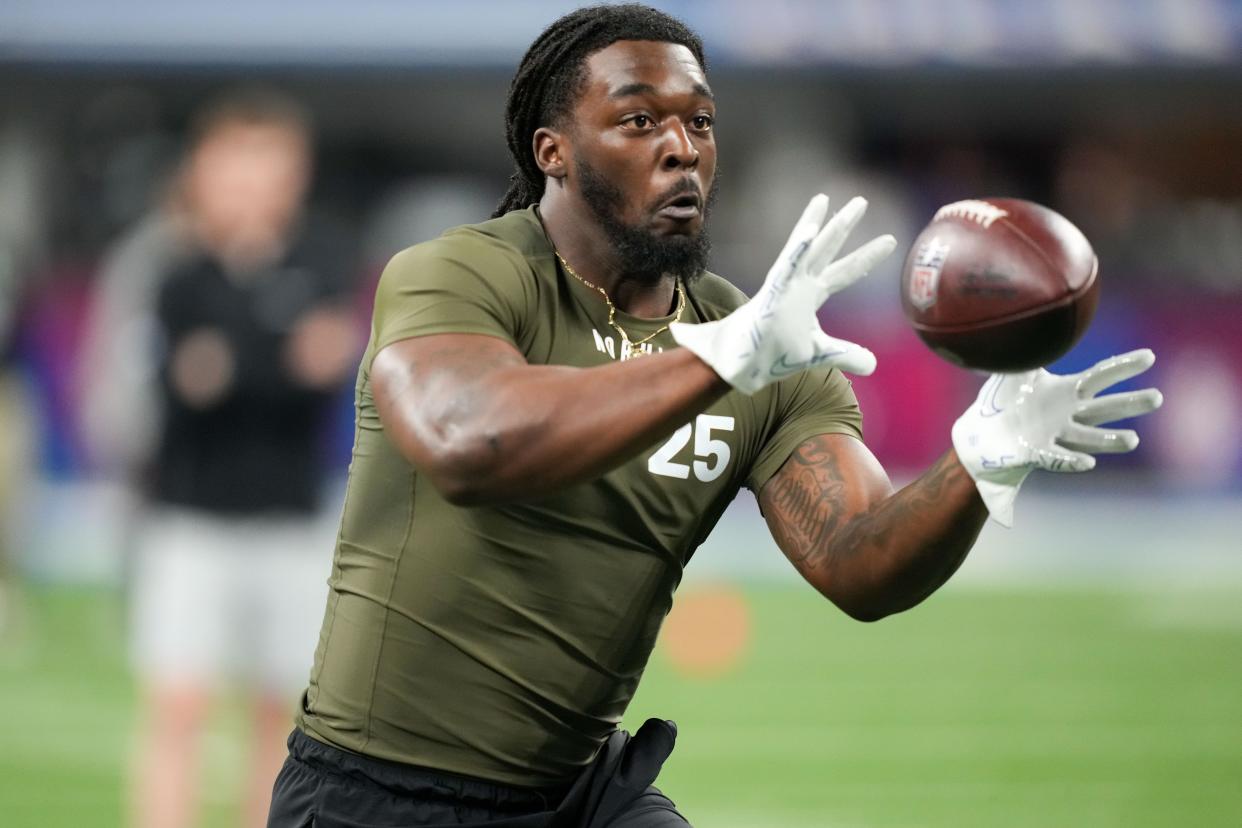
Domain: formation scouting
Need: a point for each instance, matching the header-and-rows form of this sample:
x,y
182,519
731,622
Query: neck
x,y
582,243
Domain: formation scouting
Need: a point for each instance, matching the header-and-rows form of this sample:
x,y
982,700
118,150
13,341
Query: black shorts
x,y
321,786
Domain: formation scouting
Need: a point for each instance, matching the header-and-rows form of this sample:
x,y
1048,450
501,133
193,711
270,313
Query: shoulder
x,y
509,244
714,296
501,263
488,274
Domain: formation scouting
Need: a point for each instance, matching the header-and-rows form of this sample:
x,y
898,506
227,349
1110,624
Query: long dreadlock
x,y
553,70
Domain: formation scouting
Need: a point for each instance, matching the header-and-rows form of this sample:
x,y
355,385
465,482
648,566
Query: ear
x,y
550,148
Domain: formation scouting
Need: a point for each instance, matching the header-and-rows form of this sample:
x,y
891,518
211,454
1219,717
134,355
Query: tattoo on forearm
x,y
922,502
806,495
945,534
914,536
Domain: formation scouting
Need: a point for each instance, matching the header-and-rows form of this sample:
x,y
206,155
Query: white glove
x,y
776,333
1038,420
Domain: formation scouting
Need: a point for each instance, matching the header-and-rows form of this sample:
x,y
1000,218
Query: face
x,y
641,154
248,178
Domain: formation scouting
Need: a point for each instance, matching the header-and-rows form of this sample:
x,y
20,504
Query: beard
x,y
645,257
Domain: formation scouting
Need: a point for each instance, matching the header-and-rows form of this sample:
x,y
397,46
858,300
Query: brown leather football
x,y
1000,284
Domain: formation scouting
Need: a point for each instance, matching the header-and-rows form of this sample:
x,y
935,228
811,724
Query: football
x,y
1000,284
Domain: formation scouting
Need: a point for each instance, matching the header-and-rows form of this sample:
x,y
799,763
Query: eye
x,y
640,121
703,123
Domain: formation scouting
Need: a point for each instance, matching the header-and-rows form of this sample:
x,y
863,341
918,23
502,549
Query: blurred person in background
x,y
122,412
548,428
223,336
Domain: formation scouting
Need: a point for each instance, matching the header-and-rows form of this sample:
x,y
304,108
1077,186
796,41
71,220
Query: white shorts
x,y
229,600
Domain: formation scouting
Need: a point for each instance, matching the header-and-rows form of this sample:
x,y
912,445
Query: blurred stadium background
x,y
1084,668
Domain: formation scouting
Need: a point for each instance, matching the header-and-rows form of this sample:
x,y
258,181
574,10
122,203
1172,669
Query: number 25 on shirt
x,y
711,454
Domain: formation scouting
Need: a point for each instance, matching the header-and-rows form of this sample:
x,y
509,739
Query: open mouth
x,y
683,207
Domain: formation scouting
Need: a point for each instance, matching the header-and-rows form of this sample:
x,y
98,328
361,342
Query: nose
x,y
679,149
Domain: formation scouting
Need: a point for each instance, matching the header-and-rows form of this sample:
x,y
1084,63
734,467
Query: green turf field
x,y
981,708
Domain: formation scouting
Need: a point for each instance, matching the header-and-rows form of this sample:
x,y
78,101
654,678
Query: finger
x,y
804,231
848,356
849,269
830,239
1113,370
859,362
1063,461
1113,407
1097,440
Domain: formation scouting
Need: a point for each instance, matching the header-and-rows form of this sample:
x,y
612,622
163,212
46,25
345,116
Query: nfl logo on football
x,y
925,275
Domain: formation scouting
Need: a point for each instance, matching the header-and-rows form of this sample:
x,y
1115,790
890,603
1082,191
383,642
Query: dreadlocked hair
x,y
552,74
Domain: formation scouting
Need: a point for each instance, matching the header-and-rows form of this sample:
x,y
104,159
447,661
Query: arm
x,y
871,551
485,426
874,553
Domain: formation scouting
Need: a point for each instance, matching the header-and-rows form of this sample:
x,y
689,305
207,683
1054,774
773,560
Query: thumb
x,y
845,355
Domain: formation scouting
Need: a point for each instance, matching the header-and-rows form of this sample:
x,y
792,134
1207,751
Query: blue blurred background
x,y
1124,115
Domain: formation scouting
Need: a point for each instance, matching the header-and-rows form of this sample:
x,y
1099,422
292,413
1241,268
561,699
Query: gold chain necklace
x,y
629,348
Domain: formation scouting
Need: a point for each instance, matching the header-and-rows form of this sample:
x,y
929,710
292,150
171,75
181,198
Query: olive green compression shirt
x,y
504,642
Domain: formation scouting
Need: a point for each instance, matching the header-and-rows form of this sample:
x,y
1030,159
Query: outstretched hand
x,y
1036,419
777,333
